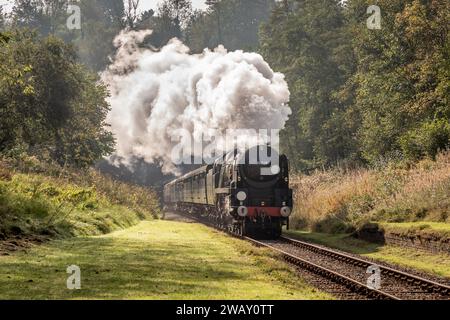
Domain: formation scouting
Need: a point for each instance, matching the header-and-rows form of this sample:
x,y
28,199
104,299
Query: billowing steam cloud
x,y
156,95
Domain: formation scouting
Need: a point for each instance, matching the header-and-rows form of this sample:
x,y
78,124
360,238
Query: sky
x,y
152,4
144,4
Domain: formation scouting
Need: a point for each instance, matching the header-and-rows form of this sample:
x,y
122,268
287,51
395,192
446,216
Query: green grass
x,y
437,264
38,204
153,260
425,225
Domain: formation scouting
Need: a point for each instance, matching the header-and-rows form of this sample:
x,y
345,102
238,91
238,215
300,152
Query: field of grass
x,y
153,260
340,200
437,264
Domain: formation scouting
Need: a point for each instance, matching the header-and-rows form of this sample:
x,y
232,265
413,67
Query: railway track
x,y
347,275
351,272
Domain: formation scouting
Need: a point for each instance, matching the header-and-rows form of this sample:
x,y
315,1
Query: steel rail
x,y
352,284
428,285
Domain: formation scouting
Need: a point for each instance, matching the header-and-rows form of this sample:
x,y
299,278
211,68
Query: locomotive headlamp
x,y
286,212
275,169
242,211
241,196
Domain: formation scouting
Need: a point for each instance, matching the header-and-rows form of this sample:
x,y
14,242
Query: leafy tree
x,y
402,79
173,17
233,23
43,15
84,139
102,21
215,7
360,94
49,104
307,41
15,81
145,20
426,140
131,13
2,19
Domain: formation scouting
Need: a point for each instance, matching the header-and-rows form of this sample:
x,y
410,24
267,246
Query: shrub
x,y
426,140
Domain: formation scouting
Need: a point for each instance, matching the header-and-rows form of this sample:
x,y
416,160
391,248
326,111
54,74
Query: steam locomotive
x,y
247,198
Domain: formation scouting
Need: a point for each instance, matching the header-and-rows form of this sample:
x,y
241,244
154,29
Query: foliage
x,y
426,140
306,40
360,94
43,15
45,199
232,23
357,95
338,200
401,82
101,21
170,21
51,106
2,19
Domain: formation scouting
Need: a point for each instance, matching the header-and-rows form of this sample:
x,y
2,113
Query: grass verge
x,y
440,230
153,260
43,203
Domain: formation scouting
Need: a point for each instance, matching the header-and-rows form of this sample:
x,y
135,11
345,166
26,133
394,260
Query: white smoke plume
x,y
157,94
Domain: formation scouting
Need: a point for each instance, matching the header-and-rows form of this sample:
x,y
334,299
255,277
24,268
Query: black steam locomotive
x,y
236,195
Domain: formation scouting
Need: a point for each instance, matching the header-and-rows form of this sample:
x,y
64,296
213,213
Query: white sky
x,y
152,4
144,4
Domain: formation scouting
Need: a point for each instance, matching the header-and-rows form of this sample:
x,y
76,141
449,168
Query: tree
x,y
2,19
145,19
359,94
49,104
131,13
233,23
102,21
43,15
180,11
173,17
214,6
401,82
307,41
14,82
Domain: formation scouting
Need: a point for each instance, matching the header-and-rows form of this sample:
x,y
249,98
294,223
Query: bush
x,y
427,140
